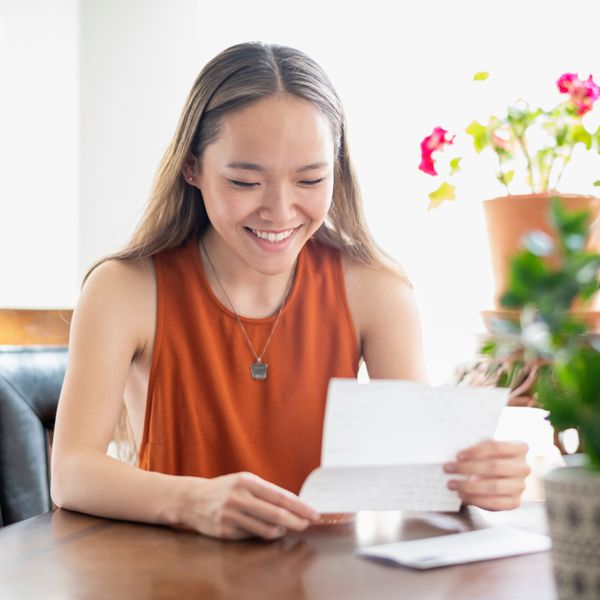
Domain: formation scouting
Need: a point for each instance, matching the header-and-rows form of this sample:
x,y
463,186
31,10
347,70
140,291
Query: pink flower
x,y
436,141
582,94
567,82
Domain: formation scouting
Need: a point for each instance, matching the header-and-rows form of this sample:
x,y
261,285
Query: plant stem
x,y
545,176
564,165
502,174
521,140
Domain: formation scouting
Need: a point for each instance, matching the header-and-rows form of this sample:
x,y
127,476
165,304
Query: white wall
x,y
39,152
138,59
400,68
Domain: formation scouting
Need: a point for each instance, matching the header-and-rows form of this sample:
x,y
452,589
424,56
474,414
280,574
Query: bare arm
x,y
386,316
106,333
108,329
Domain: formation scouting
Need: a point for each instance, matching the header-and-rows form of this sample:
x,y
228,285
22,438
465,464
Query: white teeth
x,y
272,237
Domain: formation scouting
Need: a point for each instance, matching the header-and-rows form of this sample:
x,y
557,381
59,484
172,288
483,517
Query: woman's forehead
x,y
277,126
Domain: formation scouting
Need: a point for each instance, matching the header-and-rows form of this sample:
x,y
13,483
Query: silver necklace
x,y
258,369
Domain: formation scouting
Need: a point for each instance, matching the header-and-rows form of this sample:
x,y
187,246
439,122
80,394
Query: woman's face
x,y
267,182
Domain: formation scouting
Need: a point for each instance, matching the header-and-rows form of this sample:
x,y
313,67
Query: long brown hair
x,y
235,78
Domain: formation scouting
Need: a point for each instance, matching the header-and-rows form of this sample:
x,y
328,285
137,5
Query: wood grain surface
x,y
69,555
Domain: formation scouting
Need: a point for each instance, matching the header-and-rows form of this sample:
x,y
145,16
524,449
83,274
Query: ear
x,y
191,169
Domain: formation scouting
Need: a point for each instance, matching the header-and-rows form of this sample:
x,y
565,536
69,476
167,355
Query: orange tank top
x,y
205,415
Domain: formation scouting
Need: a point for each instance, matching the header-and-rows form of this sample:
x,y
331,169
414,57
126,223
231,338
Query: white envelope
x,y
458,548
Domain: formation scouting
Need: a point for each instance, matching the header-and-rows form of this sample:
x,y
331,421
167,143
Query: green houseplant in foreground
x,y
545,280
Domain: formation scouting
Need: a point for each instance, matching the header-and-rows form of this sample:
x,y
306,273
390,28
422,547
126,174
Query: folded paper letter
x,y
384,444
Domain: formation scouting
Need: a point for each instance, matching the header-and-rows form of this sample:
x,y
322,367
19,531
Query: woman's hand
x,y
495,471
242,505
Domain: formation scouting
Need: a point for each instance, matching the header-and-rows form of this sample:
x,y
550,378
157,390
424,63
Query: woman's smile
x,y
272,241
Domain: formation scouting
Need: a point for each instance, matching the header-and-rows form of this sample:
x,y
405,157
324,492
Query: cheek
x,y
224,204
323,201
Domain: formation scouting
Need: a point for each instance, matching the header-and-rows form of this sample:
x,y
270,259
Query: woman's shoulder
x,y
122,277
119,296
385,314
370,280
375,292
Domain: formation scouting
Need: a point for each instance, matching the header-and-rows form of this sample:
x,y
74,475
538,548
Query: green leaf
x,y
506,178
455,165
521,117
443,193
561,135
488,347
578,134
597,183
479,134
481,76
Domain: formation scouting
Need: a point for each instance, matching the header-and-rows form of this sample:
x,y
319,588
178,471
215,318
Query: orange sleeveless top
x,y
205,415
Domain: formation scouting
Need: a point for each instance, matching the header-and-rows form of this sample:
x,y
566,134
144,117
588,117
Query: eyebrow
x,y
254,167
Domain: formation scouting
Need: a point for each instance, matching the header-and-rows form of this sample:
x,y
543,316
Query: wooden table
x,y
69,555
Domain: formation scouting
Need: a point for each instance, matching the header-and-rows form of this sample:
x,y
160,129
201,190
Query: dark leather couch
x,y
31,378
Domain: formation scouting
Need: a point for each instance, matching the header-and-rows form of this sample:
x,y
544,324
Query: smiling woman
x,y
250,282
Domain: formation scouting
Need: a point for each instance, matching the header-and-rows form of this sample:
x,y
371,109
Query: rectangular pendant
x,y
258,370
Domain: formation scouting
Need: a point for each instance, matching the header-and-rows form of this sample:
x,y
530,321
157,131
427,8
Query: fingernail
x,y
452,485
281,530
462,455
450,467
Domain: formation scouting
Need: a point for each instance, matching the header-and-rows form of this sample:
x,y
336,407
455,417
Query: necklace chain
x,y
256,356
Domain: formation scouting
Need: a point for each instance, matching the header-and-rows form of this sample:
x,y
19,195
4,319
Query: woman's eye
x,y
243,184
246,184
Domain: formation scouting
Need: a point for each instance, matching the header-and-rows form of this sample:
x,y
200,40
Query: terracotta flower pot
x,y
573,508
509,218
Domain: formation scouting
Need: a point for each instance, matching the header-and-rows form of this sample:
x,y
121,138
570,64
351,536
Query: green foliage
x,y
514,137
506,178
570,391
578,134
544,282
455,165
479,134
444,192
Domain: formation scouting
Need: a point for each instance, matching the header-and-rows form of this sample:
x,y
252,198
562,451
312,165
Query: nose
x,y
277,206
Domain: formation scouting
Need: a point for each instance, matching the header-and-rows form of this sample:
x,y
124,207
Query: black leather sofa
x,y
31,378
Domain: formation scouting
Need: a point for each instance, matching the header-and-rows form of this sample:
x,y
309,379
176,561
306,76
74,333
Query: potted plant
x,y
550,338
531,145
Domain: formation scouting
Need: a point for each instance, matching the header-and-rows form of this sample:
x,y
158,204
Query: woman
x,y
250,282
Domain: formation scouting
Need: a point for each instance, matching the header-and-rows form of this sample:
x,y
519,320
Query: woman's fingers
x,y
495,474
251,506
492,502
494,467
476,486
493,449
279,497
272,514
254,526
